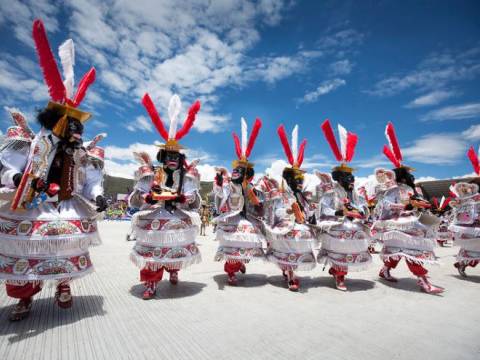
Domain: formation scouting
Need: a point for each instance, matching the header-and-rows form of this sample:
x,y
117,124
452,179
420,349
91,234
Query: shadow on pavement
x,y
45,315
307,282
409,284
471,278
165,290
244,281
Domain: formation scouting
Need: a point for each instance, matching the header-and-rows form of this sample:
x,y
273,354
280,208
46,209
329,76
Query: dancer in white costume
x,y
444,213
168,223
289,215
239,230
466,218
344,237
50,220
397,221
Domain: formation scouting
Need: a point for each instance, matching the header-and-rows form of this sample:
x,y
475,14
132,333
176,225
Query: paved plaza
x,y
202,318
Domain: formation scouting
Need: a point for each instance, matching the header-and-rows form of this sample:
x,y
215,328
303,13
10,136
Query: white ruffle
x,y
399,254
174,264
467,230
295,266
353,266
48,246
222,256
239,239
344,246
72,276
165,237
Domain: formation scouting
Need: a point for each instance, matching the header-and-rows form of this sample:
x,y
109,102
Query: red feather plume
x,y
83,86
392,138
301,152
435,202
388,153
330,137
446,202
286,146
352,140
188,123
238,147
472,155
156,120
253,136
49,66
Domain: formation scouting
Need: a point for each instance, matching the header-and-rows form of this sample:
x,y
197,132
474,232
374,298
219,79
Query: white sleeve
x,y
93,183
13,162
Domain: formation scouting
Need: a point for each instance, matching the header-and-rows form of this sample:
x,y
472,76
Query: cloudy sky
x,y
360,63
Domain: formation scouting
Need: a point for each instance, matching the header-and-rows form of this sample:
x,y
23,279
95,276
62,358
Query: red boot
x,y
149,293
21,310
340,282
243,268
385,274
63,296
428,287
232,280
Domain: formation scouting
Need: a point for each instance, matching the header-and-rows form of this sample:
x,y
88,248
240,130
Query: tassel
x,y
352,140
83,86
174,107
188,123
253,136
66,52
301,152
474,160
47,62
388,153
238,147
286,147
156,120
392,139
330,137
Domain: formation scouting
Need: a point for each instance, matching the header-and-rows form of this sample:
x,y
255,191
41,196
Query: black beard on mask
x,y
346,181
404,176
74,132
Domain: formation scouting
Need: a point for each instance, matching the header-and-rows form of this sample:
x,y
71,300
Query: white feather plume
x,y
442,202
66,51
295,143
342,132
174,107
244,136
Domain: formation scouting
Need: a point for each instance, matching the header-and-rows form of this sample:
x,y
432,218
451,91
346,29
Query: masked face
x,y
345,179
74,132
238,175
172,160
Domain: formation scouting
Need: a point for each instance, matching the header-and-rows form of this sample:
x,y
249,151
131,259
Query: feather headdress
x,y
63,98
295,154
96,151
171,136
392,151
474,159
244,147
441,206
348,142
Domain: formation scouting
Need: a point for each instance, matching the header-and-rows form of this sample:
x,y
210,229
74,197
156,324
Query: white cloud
x,y
207,172
455,112
323,89
432,98
440,149
141,123
472,133
341,67
436,72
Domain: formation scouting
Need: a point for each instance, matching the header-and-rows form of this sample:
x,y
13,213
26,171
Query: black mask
x,y
171,160
73,133
293,179
404,176
345,179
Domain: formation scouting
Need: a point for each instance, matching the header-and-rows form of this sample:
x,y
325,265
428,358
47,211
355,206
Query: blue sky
x,y
360,63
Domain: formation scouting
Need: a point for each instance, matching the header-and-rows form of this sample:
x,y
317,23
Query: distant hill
x,y
117,185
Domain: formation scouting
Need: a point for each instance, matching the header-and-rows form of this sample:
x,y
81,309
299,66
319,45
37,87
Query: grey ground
x,y
201,318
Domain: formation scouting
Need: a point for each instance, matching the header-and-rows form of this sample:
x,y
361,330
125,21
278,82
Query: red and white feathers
x,y
474,159
96,140
60,91
348,142
20,120
442,204
143,158
393,151
295,154
174,109
244,146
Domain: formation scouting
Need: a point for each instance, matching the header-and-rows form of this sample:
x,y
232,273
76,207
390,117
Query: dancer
x,y
397,221
443,211
50,220
168,223
205,218
289,215
466,218
344,237
239,232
